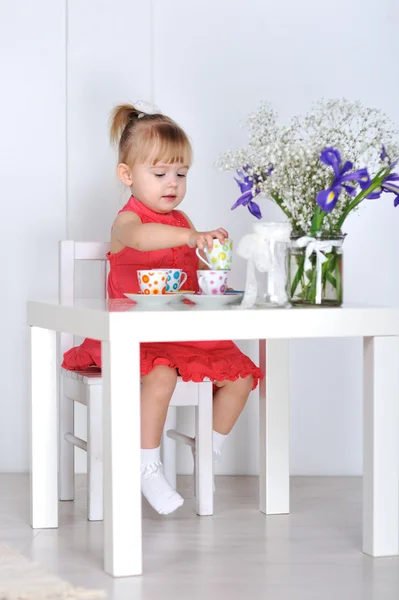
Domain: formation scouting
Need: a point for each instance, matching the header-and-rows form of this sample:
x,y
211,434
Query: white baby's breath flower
x,y
294,150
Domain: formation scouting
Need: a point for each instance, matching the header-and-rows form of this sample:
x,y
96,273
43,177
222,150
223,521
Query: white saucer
x,y
213,301
152,300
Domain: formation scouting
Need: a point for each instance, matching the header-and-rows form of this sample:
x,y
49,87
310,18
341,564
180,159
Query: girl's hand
x,y
204,239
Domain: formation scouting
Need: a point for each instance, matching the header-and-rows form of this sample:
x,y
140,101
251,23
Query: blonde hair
x,y
153,137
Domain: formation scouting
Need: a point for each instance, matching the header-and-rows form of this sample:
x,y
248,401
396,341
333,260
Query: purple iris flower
x,y
387,186
246,185
327,199
248,192
384,156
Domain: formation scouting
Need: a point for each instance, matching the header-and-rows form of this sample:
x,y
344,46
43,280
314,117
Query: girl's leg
x,y
156,391
229,401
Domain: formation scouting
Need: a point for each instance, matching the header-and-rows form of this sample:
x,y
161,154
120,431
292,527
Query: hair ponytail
x,y
121,117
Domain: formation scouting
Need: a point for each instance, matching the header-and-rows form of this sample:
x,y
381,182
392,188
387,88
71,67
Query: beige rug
x,y
21,579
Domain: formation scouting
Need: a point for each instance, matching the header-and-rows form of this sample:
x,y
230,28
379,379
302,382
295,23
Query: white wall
x,y
32,191
208,64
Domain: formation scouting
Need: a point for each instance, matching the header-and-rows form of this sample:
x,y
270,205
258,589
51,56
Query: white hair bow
x,y
146,108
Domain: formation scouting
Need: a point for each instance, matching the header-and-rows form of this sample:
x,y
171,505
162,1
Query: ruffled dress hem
x,y
79,359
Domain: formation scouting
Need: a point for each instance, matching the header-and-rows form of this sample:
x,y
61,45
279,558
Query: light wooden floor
x,y
239,554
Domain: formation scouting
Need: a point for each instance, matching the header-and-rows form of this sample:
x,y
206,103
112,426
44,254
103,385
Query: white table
x,y
121,327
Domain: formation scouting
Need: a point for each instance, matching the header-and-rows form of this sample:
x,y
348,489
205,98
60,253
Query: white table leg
x,y
43,429
121,454
204,450
381,447
274,428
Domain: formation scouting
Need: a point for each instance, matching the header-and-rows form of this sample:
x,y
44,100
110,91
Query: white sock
x,y
218,440
162,497
150,455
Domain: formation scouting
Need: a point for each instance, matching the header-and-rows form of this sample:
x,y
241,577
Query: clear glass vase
x,y
266,252
315,270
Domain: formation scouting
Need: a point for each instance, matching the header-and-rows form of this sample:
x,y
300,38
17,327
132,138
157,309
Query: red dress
x,y
194,361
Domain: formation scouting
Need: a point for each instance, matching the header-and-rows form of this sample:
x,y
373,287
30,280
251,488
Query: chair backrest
x,y
69,252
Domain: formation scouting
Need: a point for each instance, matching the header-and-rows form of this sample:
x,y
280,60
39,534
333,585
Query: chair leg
x,y
204,450
94,453
66,451
169,448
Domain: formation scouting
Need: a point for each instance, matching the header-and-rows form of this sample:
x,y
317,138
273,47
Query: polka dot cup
x,y
153,282
175,279
212,283
220,257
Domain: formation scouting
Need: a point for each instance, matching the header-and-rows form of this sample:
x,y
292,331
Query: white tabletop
x,y
100,319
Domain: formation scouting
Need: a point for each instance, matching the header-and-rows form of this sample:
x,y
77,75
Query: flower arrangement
x,y
318,169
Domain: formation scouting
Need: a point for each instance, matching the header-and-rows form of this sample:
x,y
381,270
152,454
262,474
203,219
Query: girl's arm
x,y
128,230
201,265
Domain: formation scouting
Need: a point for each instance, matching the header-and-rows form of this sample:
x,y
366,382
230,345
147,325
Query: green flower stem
x,y
317,220
330,273
313,283
298,276
375,183
279,203
338,278
330,277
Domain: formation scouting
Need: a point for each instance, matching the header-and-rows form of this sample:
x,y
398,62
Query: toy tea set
x,y
265,249
163,286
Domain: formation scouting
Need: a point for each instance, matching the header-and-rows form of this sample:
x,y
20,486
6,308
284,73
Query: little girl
x,y
149,233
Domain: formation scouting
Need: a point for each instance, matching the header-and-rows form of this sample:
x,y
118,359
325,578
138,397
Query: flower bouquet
x,y
317,169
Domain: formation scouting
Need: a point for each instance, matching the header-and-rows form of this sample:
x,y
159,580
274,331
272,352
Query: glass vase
x,y
266,252
315,270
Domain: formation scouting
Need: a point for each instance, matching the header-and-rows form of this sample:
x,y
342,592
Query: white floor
x,y
314,553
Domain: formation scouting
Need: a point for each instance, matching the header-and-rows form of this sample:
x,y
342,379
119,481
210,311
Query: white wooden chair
x,y
86,388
